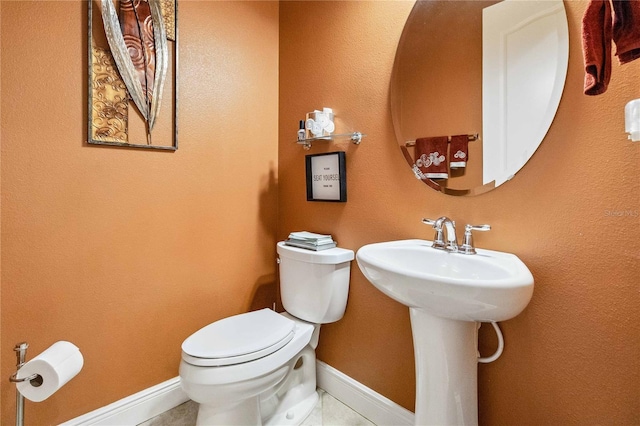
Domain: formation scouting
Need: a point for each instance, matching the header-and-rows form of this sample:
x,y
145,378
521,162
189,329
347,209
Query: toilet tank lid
x,y
331,256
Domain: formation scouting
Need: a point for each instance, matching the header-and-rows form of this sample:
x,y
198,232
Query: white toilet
x,y
260,367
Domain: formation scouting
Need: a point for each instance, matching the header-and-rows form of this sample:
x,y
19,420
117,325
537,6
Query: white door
x,y
525,55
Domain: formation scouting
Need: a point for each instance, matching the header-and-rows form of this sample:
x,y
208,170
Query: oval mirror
x,y
491,71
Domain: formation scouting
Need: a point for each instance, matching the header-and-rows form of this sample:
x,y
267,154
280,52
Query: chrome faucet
x,y
443,224
440,225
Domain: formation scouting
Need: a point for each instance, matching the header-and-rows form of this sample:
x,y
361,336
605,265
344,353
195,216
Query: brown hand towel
x,y
431,157
626,29
596,46
459,151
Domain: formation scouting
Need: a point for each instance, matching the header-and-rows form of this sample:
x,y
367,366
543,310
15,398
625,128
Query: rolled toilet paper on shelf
x,y
58,364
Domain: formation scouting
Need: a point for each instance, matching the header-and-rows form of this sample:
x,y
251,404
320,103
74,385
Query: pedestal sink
x,y
448,295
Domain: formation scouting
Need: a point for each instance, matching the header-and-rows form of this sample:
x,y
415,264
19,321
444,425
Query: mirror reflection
x,y
475,87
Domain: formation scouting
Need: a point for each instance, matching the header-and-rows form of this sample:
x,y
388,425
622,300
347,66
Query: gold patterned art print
x,y
110,104
133,50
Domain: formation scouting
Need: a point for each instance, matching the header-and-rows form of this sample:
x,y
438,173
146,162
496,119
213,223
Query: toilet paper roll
x,y
56,365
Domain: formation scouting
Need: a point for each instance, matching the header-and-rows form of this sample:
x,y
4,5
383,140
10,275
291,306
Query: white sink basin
x,y
487,286
448,294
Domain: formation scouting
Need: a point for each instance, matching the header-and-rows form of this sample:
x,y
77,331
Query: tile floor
x,y
328,412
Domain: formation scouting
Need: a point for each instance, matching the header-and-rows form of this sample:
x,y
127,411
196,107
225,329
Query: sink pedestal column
x,y
446,369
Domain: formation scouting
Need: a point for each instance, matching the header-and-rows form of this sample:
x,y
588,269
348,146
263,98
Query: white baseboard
x,y
136,408
367,402
158,399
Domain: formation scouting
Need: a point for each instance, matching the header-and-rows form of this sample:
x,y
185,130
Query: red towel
x,y
417,172
431,157
459,151
599,29
626,29
596,46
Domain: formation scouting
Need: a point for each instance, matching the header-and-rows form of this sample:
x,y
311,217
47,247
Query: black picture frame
x,y
326,177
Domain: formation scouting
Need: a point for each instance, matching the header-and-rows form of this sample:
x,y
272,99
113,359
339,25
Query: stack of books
x,y
310,241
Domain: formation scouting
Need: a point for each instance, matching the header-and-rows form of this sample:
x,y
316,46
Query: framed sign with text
x,y
326,177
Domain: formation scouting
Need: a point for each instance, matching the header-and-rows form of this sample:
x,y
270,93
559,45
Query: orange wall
x,y
572,356
126,252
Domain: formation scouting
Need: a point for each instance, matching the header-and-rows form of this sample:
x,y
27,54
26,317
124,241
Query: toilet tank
x,y
314,285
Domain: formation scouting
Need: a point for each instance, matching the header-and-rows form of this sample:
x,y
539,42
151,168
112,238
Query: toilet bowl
x,y
259,367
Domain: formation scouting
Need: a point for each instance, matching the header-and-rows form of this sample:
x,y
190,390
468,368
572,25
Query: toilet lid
x,y
240,338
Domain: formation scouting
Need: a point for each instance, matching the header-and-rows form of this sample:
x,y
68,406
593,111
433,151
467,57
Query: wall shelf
x,y
356,138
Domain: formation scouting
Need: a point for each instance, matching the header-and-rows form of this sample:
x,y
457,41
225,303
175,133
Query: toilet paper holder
x,y
21,353
35,379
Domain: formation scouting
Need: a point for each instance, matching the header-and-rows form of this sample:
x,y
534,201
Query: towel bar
x,y
472,138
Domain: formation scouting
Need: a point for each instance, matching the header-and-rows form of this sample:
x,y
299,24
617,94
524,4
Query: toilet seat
x,y
193,375
238,339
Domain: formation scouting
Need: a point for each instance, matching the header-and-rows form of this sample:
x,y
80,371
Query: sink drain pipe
x,y
498,352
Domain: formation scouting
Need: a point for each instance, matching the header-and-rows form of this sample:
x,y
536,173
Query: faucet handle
x,y
477,228
438,239
467,247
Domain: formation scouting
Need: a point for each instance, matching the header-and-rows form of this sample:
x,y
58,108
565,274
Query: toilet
x,y
259,368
